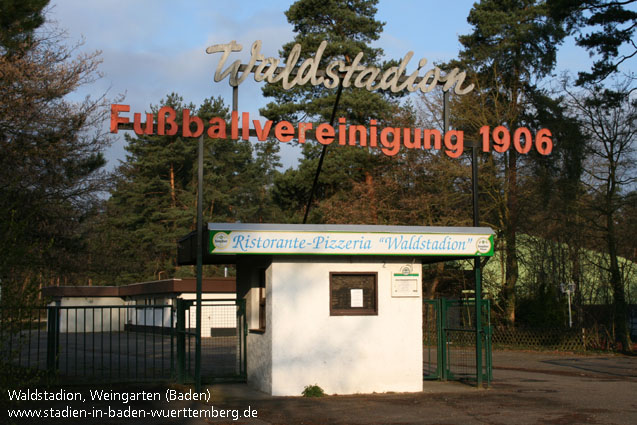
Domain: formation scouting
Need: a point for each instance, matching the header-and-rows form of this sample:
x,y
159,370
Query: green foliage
x,y
603,27
349,27
512,45
560,172
153,200
516,36
543,309
18,20
313,391
55,228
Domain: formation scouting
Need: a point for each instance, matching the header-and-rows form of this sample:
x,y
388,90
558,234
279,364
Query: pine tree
x,y
603,27
153,202
349,27
18,20
513,43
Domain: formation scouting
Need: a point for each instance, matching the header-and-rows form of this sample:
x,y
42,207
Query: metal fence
x,y
223,338
460,339
560,339
449,340
23,337
116,343
432,354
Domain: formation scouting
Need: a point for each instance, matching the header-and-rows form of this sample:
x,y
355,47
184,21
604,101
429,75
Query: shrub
x,y
313,391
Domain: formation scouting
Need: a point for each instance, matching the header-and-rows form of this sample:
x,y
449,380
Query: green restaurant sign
x,y
354,240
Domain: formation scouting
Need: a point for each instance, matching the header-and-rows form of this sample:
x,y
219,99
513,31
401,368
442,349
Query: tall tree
x,y
349,27
153,200
50,150
609,121
513,43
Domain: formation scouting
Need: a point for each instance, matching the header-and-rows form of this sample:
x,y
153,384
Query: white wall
x,y
259,345
113,319
149,316
101,319
341,354
214,314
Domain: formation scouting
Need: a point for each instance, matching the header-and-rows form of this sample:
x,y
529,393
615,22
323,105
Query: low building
x,y
119,308
339,306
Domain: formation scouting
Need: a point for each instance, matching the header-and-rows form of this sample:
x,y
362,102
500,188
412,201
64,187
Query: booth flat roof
x,y
223,243
157,287
354,228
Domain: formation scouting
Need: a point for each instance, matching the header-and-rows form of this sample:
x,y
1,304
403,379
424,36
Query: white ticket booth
x,y
339,306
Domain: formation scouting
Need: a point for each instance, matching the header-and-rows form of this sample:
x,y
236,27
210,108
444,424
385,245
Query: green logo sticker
x,y
483,245
220,240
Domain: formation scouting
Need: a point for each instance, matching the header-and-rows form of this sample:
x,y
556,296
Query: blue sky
x,y
152,48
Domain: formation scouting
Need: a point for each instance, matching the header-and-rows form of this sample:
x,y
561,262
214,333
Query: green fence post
x,y
245,339
53,329
489,345
478,310
181,341
442,339
431,335
173,316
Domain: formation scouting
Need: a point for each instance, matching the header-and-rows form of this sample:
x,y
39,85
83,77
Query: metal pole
x,y
570,318
476,266
322,157
181,340
445,112
199,267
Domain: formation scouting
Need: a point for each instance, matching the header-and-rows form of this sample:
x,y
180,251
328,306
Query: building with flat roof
x,y
162,294
339,306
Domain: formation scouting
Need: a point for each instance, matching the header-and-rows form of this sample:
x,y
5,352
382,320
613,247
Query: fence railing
x,y
223,332
110,342
116,343
23,337
449,340
580,339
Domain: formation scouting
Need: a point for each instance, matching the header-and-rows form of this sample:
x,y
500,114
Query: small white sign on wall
x,y
356,298
406,283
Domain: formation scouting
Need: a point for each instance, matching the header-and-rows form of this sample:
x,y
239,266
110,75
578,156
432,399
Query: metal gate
x,y
106,343
116,343
223,340
449,340
431,330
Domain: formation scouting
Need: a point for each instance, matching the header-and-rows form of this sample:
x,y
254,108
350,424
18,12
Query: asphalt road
x,y
528,388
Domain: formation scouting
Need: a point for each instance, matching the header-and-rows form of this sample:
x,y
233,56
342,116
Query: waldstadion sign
x,y
336,72
361,240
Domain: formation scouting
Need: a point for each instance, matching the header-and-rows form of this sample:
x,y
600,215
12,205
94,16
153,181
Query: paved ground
x,y
528,388
121,356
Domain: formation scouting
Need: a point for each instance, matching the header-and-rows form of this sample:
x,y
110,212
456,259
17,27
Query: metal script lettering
x,y
371,78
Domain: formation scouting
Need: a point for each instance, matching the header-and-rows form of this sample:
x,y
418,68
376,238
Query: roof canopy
x,y
224,242
169,287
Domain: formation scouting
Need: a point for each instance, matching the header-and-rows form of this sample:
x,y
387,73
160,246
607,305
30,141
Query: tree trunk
x,y
173,196
431,290
577,279
510,238
373,211
620,308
